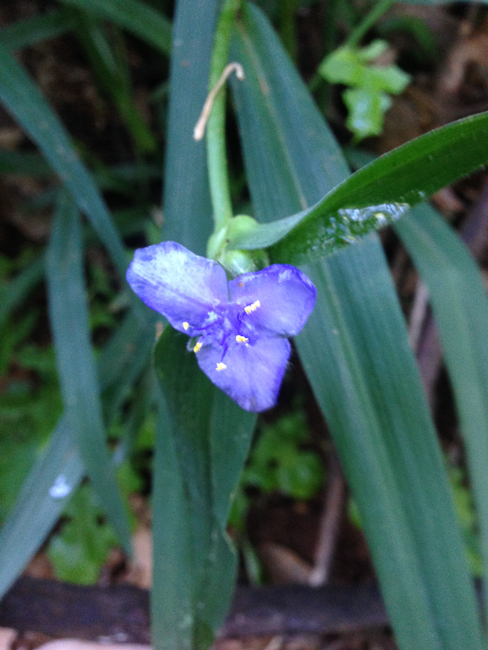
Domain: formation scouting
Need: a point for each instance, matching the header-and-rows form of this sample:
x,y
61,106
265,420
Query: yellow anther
x,y
221,366
241,339
197,347
250,308
186,325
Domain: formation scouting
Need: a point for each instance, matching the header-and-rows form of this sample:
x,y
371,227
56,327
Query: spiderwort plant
x,y
238,329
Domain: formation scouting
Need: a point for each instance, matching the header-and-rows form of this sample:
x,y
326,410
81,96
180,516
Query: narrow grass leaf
x,y
187,208
42,499
355,351
68,312
30,164
36,29
23,99
460,307
108,59
13,293
137,17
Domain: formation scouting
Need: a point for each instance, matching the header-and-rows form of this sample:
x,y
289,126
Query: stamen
x,y
198,346
186,325
221,366
250,308
241,339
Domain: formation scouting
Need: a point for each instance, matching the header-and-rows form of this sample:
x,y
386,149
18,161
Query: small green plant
x,y
84,542
370,85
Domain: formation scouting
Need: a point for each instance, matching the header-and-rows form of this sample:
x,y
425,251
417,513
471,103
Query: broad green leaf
x,y
211,437
377,194
460,307
136,16
59,470
36,29
355,352
24,101
68,312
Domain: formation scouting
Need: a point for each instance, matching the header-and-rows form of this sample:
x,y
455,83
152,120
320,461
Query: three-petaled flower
x,y
238,329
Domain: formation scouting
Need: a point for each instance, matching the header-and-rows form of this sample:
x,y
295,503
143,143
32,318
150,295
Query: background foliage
x,y
93,412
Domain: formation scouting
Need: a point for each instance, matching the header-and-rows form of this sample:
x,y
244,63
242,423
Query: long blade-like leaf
x,y
137,17
203,436
23,99
356,354
36,29
211,440
74,357
460,308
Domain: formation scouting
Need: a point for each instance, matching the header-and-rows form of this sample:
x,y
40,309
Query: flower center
x,y
225,326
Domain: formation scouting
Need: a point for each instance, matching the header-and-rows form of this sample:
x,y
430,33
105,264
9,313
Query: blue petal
x,y
175,282
279,298
253,373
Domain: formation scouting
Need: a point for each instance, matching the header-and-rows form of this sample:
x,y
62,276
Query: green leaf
x,y
366,111
194,568
377,194
460,307
36,29
23,99
187,205
42,498
68,311
13,293
109,63
355,351
135,16
210,437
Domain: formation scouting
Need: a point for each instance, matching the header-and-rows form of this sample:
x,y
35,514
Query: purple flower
x,y
238,329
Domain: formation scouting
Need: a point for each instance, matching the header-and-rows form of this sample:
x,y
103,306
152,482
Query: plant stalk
x,y
218,172
363,28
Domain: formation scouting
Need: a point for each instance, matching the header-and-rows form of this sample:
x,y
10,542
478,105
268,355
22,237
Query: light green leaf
x,y
366,111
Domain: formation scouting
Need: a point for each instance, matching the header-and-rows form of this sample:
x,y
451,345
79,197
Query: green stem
x,y
374,15
218,172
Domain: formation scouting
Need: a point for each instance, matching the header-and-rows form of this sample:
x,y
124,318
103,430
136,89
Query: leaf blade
x,y
68,312
367,369
378,193
25,102
460,308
